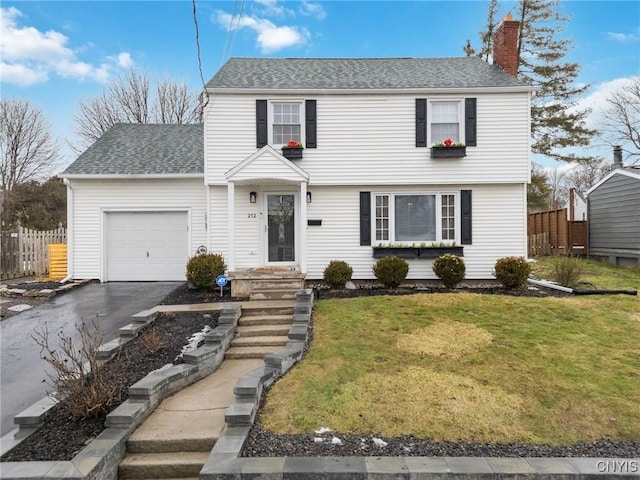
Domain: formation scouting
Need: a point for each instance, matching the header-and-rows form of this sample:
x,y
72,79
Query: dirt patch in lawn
x,y
446,339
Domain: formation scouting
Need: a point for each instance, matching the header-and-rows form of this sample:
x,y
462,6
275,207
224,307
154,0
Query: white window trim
x,y
270,113
461,116
438,194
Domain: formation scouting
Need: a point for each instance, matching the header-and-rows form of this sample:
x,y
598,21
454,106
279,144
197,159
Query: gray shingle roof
x,y
135,149
360,73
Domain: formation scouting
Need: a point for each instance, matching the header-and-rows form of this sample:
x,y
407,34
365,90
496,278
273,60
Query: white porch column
x,y
303,228
231,232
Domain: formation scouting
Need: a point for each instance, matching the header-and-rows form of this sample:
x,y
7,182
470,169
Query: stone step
x,y
253,320
263,331
162,465
275,294
249,352
268,307
163,445
262,341
277,284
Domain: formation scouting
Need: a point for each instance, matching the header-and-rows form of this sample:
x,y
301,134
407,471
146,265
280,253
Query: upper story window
x,y
415,218
286,122
445,121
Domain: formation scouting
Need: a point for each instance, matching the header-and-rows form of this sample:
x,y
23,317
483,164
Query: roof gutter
x,y
131,176
371,91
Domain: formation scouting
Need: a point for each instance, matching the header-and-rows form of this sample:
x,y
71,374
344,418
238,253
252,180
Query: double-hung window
x,y
415,218
286,122
445,121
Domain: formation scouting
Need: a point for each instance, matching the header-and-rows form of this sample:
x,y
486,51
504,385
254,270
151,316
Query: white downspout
x,y
69,276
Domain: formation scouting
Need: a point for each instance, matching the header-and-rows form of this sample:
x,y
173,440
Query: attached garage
x,y
146,246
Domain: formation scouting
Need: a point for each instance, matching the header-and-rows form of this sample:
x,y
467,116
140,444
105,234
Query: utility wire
x,y
204,88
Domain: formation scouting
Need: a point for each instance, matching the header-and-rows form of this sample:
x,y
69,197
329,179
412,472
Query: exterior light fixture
x,y
308,197
253,197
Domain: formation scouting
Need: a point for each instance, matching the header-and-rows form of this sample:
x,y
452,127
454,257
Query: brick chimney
x,y
505,45
617,157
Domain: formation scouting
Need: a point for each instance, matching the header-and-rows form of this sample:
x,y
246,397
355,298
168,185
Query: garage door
x,y
146,246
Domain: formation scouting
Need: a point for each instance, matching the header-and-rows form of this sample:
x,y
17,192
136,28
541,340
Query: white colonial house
x,y
144,198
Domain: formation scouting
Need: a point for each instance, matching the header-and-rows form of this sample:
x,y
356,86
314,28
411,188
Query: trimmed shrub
x,y
512,272
337,274
567,271
450,269
391,271
203,269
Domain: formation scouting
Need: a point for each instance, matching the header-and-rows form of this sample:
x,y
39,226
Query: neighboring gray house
x,y
614,215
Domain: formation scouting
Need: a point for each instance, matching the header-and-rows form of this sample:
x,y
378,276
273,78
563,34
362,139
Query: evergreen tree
x,y
556,122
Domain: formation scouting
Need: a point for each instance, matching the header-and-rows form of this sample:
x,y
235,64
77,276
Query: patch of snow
x,y
20,308
336,441
194,341
318,439
378,442
322,430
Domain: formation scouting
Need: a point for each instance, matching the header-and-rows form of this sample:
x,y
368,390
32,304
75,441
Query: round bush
x,y
203,269
337,274
450,269
512,272
391,271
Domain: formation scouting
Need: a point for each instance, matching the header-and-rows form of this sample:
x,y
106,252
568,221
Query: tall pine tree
x,y
556,122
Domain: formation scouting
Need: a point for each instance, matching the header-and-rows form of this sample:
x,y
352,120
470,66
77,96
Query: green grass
x,y
484,368
596,274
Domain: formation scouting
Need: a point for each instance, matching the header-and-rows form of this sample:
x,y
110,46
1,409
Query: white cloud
x,y
21,75
271,37
30,56
596,101
623,37
312,9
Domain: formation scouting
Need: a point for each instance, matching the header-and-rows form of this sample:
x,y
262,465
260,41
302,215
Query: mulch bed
x,y
62,437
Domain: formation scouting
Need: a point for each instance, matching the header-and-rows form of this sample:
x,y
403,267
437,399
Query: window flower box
x,y
292,150
448,149
435,252
448,152
402,252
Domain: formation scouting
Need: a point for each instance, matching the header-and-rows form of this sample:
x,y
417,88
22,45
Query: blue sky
x,y
55,54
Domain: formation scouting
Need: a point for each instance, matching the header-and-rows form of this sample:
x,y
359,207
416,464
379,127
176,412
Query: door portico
x,y
266,213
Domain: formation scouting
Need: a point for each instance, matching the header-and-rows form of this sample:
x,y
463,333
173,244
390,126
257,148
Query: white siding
x,y
499,230
366,139
91,198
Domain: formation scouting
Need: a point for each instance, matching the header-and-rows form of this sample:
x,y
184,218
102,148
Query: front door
x,y
281,241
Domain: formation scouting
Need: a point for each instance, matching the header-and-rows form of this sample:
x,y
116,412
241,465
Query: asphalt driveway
x,y
23,374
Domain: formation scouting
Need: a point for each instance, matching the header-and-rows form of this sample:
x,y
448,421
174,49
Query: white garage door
x,y
146,246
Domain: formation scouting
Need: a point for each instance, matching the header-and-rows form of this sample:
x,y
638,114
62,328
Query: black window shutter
x,y
365,218
311,139
470,122
465,216
421,122
261,124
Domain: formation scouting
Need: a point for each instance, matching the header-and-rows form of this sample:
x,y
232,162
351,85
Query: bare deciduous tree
x,y
621,120
27,149
586,173
130,100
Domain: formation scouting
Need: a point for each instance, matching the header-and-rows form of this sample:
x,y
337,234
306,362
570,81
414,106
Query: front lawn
x,y
481,368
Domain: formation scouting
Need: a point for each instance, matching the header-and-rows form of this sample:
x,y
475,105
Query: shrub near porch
x,y
482,368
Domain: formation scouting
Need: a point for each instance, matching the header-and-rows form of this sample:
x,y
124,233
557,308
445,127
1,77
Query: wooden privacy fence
x,y
25,252
550,233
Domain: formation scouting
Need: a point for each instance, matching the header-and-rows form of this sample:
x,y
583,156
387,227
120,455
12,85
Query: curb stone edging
x,y
225,463
99,460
